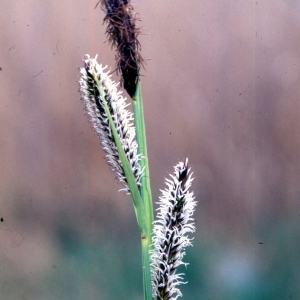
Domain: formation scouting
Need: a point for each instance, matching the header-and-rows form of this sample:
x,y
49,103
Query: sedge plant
x,y
123,138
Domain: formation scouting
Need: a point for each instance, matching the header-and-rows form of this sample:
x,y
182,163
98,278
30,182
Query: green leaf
x,y
133,187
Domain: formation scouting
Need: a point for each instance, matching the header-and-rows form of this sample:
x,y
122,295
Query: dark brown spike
x,y
122,34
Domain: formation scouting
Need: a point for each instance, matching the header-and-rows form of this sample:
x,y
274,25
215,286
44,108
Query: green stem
x,y
145,189
146,268
142,198
137,103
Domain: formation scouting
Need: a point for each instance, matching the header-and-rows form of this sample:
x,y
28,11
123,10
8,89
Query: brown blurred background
x,y
221,87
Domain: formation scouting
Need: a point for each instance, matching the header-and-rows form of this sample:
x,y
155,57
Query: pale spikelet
x,y
91,75
170,236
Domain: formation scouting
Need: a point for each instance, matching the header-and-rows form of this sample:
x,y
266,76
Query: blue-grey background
x,y
221,86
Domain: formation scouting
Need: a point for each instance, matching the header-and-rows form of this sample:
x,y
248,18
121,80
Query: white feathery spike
x,y
91,75
170,233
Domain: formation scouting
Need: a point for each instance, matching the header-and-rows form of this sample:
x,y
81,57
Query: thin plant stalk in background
x,y
123,138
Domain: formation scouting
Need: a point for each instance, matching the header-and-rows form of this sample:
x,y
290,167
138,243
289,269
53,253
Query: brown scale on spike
x,y
122,34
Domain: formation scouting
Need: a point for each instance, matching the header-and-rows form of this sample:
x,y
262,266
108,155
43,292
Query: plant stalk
x,y
137,103
146,267
145,189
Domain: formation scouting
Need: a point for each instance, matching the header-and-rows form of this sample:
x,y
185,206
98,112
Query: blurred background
x,y
221,86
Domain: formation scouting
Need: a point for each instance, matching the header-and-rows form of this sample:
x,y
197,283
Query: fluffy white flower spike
x,y
93,77
171,231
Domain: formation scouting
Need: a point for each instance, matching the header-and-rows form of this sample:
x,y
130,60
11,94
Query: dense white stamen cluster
x,y
93,76
170,236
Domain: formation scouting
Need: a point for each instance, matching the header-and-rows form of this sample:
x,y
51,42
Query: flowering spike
x,y
122,33
93,75
175,222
